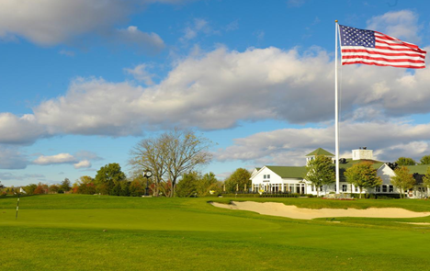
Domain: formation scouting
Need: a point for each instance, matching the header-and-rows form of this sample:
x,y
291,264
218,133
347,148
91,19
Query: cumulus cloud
x,y
82,164
52,22
198,26
401,24
88,155
217,89
62,158
7,176
12,158
20,130
289,146
140,73
141,41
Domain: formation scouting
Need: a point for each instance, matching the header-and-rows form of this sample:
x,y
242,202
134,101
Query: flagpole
x,y
17,207
336,109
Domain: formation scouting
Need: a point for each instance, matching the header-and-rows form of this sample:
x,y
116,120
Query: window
x,y
344,188
356,189
378,189
390,188
384,188
266,176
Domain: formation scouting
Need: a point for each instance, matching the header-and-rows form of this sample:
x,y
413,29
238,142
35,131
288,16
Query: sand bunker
x,y
291,211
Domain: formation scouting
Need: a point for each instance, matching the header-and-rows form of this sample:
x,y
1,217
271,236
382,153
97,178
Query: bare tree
x,y
185,152
150,154
170,155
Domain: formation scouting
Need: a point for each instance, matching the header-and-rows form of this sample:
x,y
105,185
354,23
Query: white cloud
x,y
62,158
88,155
12,158
140,73
198,26
52,22
7,176
144,42
289,146
82,164
67,53
217,89
20,130
401,24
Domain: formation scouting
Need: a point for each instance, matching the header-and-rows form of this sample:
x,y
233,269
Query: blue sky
x,y
83,81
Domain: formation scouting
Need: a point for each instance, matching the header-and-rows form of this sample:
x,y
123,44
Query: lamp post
x,y
147,174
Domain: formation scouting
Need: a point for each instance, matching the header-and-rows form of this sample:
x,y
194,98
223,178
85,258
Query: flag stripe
x,y
369,47
347,52
406,65
402,59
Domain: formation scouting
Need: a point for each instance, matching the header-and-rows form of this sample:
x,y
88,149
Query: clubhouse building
x,y
290,179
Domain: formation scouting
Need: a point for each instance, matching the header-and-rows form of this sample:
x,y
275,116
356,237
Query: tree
x,y
107,177
320,171
206,183
425,160
170,155
150,153
426,179
405,161
403,179
363,175
187,186
86,185
65,185
238,180
54,188
29,189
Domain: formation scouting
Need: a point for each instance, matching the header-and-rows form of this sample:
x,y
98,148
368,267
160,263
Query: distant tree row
x,y
406,161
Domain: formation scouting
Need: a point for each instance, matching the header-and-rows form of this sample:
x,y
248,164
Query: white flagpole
x,y
336,110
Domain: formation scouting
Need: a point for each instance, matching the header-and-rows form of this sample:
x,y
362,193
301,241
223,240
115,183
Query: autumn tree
x,y
54,188
238,180
320,171
65,185
405,161
363,175
86,185
403,179
425,160
426,179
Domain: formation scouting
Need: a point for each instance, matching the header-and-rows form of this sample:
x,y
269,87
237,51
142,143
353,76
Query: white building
x,y
290,179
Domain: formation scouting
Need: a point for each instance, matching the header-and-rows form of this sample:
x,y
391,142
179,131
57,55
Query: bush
x,y
3,194
60,191
377,196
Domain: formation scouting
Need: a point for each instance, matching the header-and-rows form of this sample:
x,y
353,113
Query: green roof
x,y
320,151
289,172
420,169
349,163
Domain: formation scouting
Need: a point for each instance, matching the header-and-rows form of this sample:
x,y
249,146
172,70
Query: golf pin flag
x,y
22,191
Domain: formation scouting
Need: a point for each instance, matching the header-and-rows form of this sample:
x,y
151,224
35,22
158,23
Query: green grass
x,y
77,232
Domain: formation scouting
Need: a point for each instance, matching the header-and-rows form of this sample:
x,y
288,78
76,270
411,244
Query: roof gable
x,y
320,151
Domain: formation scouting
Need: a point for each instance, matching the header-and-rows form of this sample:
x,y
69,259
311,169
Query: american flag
x,y
360,46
